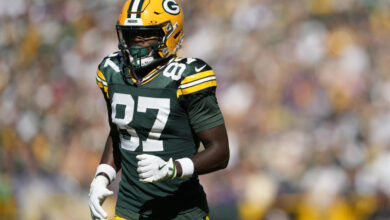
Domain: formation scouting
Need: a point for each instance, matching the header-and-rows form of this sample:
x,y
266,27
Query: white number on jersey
x,y
174,70
153,142
112,65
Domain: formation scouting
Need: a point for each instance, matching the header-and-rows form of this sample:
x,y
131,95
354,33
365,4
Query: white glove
x,y
153,169
97,194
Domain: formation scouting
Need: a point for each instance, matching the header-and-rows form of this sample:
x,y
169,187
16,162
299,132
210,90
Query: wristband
x,y
108,170
187,167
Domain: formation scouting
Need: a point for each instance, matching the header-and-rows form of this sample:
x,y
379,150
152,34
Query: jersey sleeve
x,y
101,80
102,77
197,91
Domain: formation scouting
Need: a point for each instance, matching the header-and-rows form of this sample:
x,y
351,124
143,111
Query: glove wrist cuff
x,y
101,180
108,170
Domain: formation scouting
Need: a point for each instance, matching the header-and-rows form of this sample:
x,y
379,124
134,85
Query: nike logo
x,y
160,167
199,69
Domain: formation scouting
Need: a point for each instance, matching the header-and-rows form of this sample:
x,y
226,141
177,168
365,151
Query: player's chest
x,y
143,107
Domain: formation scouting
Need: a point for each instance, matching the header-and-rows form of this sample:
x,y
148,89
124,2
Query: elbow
x,y
225,159
224,165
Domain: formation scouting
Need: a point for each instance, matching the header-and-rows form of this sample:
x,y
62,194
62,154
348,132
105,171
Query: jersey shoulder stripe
x,y
101,82
100,76
107,67
196,88
197,77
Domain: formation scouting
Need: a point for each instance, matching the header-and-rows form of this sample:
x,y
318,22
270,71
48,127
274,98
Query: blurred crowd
x,y
304,86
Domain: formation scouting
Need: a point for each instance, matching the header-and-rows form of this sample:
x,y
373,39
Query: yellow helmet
x,y
163,18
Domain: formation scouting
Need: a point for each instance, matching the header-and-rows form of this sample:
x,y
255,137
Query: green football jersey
x,y
160,115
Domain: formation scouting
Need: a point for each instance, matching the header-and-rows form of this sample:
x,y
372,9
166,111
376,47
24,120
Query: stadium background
x,y
304,86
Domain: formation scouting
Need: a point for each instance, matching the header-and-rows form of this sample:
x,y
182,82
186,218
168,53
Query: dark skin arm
x,y
216,153
111,154
213,158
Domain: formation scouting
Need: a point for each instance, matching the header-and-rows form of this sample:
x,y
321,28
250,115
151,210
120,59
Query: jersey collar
x,y
151,75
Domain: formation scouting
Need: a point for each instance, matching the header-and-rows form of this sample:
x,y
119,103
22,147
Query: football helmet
x,y
158,19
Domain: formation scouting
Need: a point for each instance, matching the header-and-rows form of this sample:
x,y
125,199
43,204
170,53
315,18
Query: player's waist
x,y
195,212
175,189
180,193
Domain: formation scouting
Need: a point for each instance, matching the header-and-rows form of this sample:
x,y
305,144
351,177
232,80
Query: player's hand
x,y
97,194
153,169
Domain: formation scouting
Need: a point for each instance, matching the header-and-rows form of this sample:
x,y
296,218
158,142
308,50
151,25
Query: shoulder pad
x,y
110,63
193,66
198,76
107,67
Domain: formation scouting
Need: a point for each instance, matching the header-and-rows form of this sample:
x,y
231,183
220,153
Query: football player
x,y
160,107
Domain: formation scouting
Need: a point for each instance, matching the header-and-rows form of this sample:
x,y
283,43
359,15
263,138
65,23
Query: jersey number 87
x,y
153,142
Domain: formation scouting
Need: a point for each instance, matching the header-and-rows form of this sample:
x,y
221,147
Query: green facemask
x,y
139,52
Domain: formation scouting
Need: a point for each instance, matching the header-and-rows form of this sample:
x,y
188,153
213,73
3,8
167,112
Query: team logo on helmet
x,y
171,7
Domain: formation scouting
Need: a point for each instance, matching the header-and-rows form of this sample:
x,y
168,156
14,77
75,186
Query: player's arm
x,y
105,175
215,157
110,160
198,94
111,155
109,163
216,153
